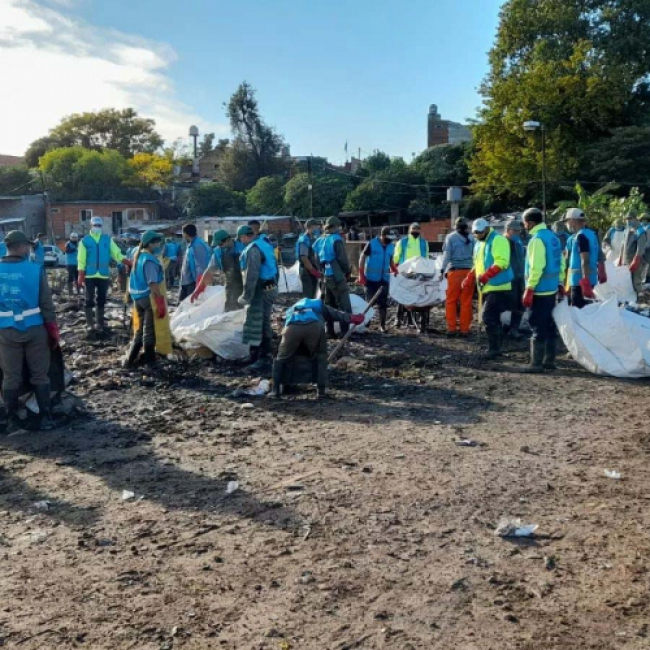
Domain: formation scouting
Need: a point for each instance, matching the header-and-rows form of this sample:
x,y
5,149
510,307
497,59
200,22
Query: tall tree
x,y
16,180
121,130
328,195
151,170
215,199
206,146
266,197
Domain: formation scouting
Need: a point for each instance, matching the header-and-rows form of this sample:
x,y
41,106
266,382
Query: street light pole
x,y
530,127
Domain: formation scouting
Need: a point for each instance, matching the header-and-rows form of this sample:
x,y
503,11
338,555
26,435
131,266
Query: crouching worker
x,y
147,288
28,328
302,354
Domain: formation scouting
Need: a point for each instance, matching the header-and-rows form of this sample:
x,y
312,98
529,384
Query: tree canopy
x,y
329,193
212,199
16,180
266,197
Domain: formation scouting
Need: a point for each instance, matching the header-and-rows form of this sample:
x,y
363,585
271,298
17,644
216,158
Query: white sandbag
x,y
606,339
289,280
205,323
418,283
618,285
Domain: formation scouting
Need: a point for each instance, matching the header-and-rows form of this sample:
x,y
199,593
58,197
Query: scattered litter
x,y
613,474
550,562
127,495
32,404
469,443
247,405
260,390
232,486
43,506
514,528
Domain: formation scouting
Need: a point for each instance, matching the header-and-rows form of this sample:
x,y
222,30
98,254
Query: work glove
x,y
53,334
316,273
636,263
357,319
128,263
393,269
197,292
161,306
529,294
561,291
492,272
469,282
81,280
602,273
362,278
587,289
241,301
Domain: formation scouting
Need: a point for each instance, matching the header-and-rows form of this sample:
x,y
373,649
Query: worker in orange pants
x,y
456,266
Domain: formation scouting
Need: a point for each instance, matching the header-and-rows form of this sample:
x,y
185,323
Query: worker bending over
x,y
307,259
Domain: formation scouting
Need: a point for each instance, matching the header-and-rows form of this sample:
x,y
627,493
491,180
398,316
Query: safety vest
x,y
98,256
308,241
39,253
219,253
269,269
575,262
550,279
191,255
378,262
504,277
71,257
20,284
138,285
171,250
306,310
409,248
326,252
3,249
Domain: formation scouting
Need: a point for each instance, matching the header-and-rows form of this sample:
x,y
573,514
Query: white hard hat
x,y
480,225
574,213
74,235
96,221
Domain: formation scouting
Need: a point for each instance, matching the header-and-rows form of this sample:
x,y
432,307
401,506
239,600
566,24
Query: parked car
x,y
54,256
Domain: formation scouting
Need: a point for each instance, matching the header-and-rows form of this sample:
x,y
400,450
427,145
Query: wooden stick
x,y
349,333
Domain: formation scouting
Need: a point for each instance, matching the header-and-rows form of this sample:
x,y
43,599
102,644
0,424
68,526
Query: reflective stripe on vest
x,y
98,256
71,258
405,254
191,256
575,261
20,284
377,267
138,286
269,268
550,279
506,275
306,310
327,253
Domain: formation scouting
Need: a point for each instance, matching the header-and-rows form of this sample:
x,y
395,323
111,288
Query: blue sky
x,y
326,71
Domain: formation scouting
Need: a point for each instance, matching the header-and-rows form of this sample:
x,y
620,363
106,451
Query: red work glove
x,y
469,282
393,269
492,272
587,289
561,291
81,280
197,292
128,263
362,278
54,335
528,298
316,273
602,273
161,306
357,319
636,262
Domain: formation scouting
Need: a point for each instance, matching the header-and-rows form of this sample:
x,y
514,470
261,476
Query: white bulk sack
x,y
606,339
618,285
205,323
358,305
289,280
418,283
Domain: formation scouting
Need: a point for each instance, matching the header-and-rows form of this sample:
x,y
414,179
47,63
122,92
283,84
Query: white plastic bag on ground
x,y
418,283
606,339
289,280
205,323
618,285
358,305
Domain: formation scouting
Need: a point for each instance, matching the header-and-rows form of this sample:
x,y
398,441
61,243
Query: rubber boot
x,y
321,376
550,350
101,320
44,401
383,313
536,357
70,289
263,363
493,350
90,320
149,355
515,322
11,406
133,354
278,371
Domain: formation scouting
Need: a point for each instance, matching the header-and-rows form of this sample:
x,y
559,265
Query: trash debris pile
x,y
418,283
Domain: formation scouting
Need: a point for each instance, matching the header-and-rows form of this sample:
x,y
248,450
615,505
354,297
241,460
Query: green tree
x,y
16,180
444,165
215,199
266,197
121,130
377,162
151,170
596,205
329,195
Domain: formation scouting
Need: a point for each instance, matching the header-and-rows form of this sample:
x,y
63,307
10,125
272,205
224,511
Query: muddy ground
x,y
358,522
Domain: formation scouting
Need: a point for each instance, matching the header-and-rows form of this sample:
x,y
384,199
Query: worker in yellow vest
x,y
413,245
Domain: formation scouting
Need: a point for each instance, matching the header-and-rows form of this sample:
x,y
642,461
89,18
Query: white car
x,y
54,256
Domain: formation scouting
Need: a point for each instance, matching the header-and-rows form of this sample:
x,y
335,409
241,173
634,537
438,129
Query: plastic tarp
x,y
606,339
418,283
358,305
289,280
204,323
618,285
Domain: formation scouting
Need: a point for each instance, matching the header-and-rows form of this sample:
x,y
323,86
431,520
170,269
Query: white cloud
x,y
52,65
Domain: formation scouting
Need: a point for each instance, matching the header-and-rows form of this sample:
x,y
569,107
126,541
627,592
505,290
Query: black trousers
x,y
541,318
518,288
96,291
576,299
309,284
186,290
146,331
494,304
371,290
73,274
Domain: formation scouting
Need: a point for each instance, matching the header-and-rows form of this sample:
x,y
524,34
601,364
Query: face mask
x,y
96,230
463,230
415,235
316,232
632,224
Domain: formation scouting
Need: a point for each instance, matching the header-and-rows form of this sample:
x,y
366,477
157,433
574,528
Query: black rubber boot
x,y
90,320
101,319
321,375
278,371
149,355
383,314
264,361
10,398
494,348
134,353
44,401
550,350
536,357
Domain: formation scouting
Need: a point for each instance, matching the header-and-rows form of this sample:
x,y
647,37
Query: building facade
x,y
24,213
445,131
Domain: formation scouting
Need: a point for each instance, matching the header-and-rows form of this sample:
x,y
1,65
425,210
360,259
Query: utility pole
x,y
49,226
310,187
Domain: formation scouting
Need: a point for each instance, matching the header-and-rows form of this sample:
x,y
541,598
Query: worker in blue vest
x,y
28,328
171,252
96,250
544,278
39,248
307,259
375,267
583,259
71,262
260,273
304,336
147,277
195,262
334,264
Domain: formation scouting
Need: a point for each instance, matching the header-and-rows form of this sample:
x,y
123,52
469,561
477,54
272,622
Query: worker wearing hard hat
x,y
334,264
635,252
494,275
71,261
583,258
545,271
306,257
613,240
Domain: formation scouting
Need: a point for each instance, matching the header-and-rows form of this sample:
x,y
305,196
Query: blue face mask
x,y
316,232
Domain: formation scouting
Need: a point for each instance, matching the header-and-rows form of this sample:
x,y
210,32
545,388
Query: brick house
x,y
75,216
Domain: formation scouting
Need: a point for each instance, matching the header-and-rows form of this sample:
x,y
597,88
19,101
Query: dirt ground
x,y
359,522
